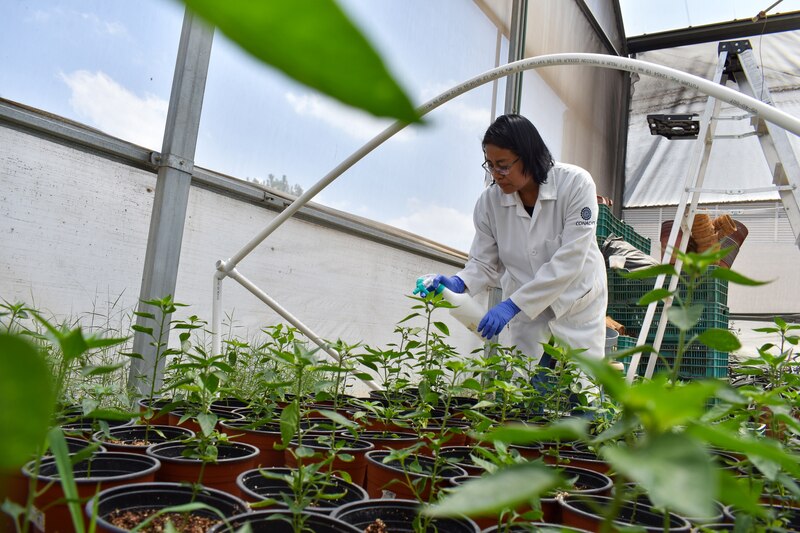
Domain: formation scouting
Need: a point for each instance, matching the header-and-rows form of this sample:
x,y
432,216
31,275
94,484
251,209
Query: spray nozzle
x,y
423,284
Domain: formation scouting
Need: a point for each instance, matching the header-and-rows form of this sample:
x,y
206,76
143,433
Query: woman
x,y
535,234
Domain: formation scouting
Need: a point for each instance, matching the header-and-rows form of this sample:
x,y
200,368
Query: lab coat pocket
x,y
583,310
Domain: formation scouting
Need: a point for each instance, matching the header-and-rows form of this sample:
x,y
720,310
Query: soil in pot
x,y
582,481
281,522
356,449
232,459
397,516
410,480
123,508
256,487
136,439
102,470
579,511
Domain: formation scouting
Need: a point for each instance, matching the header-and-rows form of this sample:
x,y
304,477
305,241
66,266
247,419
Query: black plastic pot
x,y
102,470
280,522
578,511
399,516
461,456
391,476
534,527
156,496
256,487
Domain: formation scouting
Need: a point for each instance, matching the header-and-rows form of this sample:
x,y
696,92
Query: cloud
x,y
444,225
350,121
104,26
97,24
112,108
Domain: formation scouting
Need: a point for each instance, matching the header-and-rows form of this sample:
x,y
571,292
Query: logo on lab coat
x,y
586,214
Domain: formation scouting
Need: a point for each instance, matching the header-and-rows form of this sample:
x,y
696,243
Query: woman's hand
x,y
430,283
497,318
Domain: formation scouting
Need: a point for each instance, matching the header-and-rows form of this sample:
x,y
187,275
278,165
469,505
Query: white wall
x,y
73,230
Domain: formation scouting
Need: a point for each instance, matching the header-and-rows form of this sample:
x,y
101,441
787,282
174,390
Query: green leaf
x,y
313,42
58,447
207,422
734,277
720,339
338,419
73,344
142,329
685,317
506,489
27,400
564,429
675,470
290,420
441,326
101,370
656,295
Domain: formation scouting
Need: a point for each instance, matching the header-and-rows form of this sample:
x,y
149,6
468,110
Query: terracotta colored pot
x,y
256,487
156,496
578,511
356,469
413,483
399,517
264,437
161,408
233,459
101,471
585,482
127,438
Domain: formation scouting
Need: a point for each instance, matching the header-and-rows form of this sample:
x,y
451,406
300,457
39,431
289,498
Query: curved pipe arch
x,y
223,268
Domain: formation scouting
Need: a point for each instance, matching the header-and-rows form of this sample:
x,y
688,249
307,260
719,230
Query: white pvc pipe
x,y
765,111
275,306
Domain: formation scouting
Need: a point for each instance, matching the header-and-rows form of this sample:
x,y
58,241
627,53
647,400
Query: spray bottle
x,y
466,310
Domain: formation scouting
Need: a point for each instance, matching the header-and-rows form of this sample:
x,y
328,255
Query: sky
x,y
109,64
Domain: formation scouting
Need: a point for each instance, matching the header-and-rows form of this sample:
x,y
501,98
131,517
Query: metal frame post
x,y
175,165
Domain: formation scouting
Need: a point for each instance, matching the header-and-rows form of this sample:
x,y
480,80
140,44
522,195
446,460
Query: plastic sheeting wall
x,y
656,167
73,230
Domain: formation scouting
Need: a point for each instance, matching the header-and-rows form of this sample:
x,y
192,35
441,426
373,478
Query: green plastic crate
x,y
715,315
622,290
698,362
607,224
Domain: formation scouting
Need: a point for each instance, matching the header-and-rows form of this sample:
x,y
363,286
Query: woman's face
x,y
502,159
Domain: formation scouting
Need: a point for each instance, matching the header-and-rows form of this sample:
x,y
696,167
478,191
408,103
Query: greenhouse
x,y
253,278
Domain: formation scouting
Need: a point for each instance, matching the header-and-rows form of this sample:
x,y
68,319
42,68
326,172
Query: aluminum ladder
x,y
737,65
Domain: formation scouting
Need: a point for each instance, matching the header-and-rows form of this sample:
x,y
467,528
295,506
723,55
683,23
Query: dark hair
x,y
518,134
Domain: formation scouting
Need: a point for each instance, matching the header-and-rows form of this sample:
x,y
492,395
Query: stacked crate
x,y
623,294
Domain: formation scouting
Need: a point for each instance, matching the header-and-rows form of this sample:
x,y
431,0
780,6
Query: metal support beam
x,y
516,51
175,165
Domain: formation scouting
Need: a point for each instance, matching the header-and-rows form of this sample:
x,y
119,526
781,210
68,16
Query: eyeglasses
x,y
503,171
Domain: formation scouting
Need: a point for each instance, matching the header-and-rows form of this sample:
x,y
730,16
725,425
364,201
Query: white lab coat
x,y
548,264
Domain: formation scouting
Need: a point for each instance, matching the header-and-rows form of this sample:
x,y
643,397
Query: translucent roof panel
x,y
259,125
108,65
654,16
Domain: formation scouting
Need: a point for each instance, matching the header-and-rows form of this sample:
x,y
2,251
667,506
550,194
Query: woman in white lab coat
x,y
535,235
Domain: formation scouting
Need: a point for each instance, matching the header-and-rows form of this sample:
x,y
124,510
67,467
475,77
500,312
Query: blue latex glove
x,y
497,318
431,282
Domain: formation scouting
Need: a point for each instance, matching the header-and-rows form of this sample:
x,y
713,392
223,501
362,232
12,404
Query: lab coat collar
x,y
547,191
